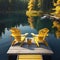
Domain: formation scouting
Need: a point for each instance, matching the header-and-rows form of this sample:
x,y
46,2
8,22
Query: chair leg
x,y
14,42
22,42
45,42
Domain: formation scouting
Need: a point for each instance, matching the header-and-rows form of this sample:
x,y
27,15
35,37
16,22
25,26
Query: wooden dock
x,y
31,52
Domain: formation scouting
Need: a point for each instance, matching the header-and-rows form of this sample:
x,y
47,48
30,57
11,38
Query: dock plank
x,y
32,49
29,57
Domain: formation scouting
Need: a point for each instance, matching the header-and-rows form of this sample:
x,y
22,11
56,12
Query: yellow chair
x,y
40,38
17,36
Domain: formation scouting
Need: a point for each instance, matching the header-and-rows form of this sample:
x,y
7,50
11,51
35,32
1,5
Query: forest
x,y
17,5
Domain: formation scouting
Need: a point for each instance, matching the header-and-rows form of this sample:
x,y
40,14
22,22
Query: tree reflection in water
x,y
30,21
13,21
38,23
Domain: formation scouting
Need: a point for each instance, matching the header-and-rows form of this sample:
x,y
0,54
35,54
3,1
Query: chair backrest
x,y
43,33
15,32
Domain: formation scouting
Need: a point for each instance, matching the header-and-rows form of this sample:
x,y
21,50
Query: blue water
x,y
20,22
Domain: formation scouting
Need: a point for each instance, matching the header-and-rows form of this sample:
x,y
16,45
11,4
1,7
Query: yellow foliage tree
x,y
56,24
57,8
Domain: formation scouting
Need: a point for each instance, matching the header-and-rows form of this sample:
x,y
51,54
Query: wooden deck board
x,y
32,49
29,57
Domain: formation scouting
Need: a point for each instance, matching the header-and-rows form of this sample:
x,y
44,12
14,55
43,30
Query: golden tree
x,y
57,8
56,24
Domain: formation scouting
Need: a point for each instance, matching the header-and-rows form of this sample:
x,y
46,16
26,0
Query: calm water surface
x,y
20,21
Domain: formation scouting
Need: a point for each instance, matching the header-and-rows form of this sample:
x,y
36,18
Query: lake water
x,y
20,21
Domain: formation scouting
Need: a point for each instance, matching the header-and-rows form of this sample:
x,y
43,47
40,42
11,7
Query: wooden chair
x,y
18,37
40,38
